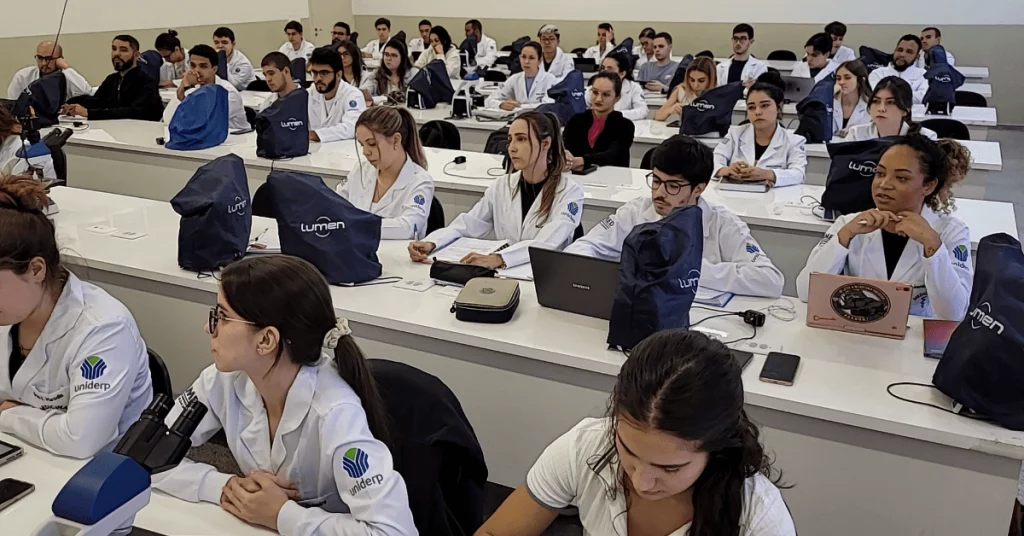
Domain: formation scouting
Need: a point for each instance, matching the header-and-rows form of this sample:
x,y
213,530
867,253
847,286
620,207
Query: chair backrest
x,y
782,55
497,142
948,128
263,203
970,98
578,51
250,116
495,76
578,233
258,85
645,162
440,134
435,219
160,375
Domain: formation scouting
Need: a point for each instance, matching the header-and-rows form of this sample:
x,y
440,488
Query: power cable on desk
x,y
888,389
490,173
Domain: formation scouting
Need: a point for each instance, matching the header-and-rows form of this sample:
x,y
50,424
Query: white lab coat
x,y
335,119
753,69
733,260
451,61
174,71
802,70
921,63
416,45
786,154
240,72
597,54
913,75
305,50
375,48
843,55
631,103
12,164
404,207
868,131
369,83
500,213
860,115
77,84
323,430
560,66
86,380
942,283
515,89
486,51
236,110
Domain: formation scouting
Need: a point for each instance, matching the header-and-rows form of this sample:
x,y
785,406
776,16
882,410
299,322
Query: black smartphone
x,y
780,368
586,171
9,453
12,490
741,357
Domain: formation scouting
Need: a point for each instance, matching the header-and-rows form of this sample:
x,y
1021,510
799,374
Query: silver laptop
x,y
574,283
797,87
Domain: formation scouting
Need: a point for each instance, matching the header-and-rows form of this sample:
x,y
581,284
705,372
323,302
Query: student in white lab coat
x,y
440,47
903,67
334,105
486,48
605,43
296,46
930,37
853,93
11,143
419,44
74,372
733,260
645,50
891,110
175,58
375,47
540,204
840,53
818,64
526,89
303,418
631,103
352,60
741,66
676,454
203,71
553,60
763,150
701,75
393,183
240,72
49,59
392,78
909,236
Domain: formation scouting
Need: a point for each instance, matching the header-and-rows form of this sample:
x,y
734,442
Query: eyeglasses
x,y
391,56
217,314
321,74
740,39
46,58
671,187
548,39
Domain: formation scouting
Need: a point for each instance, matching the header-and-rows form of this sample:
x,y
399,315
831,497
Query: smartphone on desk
x,y
9,453
586,171
780,368
11,491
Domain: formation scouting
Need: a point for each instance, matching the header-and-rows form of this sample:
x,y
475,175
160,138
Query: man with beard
x,y
334,105
902,66
128,93
341,32
49,59
202,63
741,66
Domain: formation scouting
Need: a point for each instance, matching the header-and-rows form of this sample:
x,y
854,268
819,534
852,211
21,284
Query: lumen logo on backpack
x,y
292,124
981,317
866,169
238,207
322,227
702,105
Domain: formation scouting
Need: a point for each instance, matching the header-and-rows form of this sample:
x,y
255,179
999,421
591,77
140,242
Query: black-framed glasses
x,y
217,314
46,58
740,39
671,187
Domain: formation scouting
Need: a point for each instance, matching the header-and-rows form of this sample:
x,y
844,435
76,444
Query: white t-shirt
x,y
563,476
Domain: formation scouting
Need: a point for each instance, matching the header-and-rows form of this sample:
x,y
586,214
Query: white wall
x,y
786,11
41,17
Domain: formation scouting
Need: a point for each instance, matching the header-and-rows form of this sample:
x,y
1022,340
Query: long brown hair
x,y
703,65
860,72
26,231
8,124
903,95
546,125
289,294
383,75
390,120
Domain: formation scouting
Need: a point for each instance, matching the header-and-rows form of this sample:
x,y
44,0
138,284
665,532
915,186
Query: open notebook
x,y
457,250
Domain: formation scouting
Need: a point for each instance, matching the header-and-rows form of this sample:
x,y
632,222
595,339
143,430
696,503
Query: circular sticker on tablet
x,y
860,302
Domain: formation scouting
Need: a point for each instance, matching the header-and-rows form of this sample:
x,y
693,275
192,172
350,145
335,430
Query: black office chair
x,y
506,48
440,134
495,76
262,202
497,142
970,98
435,219
55,141
705,54
250,116
585,65
782,55
160,375
258,85
578,51
948,128
645,162
578,233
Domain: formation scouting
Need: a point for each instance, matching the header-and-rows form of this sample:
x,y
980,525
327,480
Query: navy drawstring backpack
x,y
282,130
46,96
432,85
216,219
815,111
943,81
569,97
712,111
850,173
200,121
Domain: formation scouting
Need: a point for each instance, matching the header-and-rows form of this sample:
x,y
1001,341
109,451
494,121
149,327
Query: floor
x,y
1006,185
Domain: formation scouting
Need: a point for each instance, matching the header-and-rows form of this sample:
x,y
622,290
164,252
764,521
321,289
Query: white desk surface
x,y
164,514
608,187
842,379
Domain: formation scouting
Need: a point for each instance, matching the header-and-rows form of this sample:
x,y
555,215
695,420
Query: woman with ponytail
x,y
300,410
891,108
539,204
676,454
175,58
393,183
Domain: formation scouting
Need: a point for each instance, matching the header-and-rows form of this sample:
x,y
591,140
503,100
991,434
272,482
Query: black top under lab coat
x,y
612,145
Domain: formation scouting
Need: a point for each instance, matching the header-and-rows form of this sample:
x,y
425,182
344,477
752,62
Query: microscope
x,y
104,496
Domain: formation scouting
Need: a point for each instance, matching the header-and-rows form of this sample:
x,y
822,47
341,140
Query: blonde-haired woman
x,y
700,76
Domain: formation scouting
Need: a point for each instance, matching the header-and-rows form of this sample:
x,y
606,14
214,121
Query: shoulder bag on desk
x,y
712,111
815,111
45,97
943,81
216,219
983,365
432,85
487,300
200,121
282,130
